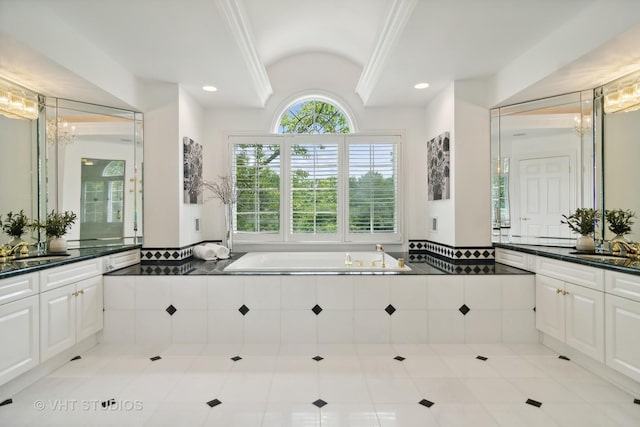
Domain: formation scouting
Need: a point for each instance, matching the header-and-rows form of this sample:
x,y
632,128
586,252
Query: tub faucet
x,y
347,260
380,248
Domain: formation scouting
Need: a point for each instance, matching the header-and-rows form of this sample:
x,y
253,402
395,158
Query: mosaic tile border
x,y
472,254
151,255
478,267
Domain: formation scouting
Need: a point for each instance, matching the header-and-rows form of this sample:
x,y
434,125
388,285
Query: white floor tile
x,y
363,385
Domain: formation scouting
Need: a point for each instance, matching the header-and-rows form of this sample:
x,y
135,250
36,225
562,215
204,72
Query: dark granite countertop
x,y
27,264
196,267
621,264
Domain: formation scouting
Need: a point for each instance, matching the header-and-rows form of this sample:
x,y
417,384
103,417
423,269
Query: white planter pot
x,y
585,244
58,245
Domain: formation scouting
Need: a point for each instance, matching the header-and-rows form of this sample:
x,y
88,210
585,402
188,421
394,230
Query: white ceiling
x,y
232,44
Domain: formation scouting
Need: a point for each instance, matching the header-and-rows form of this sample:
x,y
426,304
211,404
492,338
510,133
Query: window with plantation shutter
x,y
256,172
314,188
317,188
373,187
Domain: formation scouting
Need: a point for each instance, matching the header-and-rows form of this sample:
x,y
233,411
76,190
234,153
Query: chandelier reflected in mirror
x,y
582,124
60,130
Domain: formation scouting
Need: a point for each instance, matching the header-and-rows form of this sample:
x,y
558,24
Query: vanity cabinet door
x,y
57,321
550,316
623,346
19,327
584,320
89,314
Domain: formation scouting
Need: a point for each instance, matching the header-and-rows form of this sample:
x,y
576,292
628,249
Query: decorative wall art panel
x,y
438,167
192,171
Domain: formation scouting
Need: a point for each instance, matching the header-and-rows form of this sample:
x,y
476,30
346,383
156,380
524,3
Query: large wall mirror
x,y
620,105
19,159
542,155
94,168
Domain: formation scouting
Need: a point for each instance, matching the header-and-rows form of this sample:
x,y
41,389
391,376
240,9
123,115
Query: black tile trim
x,y
6,402
636,401
236,358
427,403
243,310
400,358
154,358
563,357
390,309
319,403
452,253
464,309
482,358
214,402
316,309
75,358
318,358
533,403
171,310
151,255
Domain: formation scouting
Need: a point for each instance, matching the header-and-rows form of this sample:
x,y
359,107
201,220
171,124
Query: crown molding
x,y
238,23
396,21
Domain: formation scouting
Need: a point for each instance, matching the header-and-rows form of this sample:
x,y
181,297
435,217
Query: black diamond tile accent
x,y
109,402
476,254
390,309
534,309
175,255
244,309
6,402
171,310
412,245
166,254
563,357
427,403
533,403
76,358
464,309
318,358
399,358
481,358
320,403
236,358
458,254
486,254
214,402
467,254
316,309
636,401
154,358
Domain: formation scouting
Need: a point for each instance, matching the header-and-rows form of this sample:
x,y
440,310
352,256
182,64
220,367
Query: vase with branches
x,y
224,189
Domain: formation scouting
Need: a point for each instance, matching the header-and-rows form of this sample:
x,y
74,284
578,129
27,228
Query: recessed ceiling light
x,y
422,85
209,88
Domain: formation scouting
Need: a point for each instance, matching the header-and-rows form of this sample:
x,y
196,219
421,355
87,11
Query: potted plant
x,y
15,225
55,226
583,221
620,222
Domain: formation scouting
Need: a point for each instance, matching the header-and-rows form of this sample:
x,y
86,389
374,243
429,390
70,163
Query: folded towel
x,y
204,252
222,252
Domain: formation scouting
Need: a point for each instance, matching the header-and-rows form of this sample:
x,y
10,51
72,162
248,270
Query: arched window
x,y
313,116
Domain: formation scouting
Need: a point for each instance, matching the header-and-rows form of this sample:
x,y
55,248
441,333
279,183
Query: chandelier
x,y
17,103
582,124
60,130
622,97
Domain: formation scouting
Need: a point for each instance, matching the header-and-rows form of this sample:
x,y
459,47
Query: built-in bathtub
x,y
316,261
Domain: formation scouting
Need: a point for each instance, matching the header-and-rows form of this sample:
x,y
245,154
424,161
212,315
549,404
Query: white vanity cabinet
x,y
121,260
72,309
19,326
570,305
623,323
516,259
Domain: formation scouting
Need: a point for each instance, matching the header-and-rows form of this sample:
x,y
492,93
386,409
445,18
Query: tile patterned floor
x,y
327,385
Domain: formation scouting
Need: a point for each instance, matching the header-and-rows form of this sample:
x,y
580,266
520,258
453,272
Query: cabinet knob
x,y
81,292
565,292
559,291
74,294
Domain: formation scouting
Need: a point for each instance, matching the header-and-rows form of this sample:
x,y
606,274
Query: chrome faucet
x,y
380,248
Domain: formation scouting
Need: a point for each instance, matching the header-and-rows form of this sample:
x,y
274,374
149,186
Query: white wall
x,y
302,75
439,118
190,124
471,166
162,168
